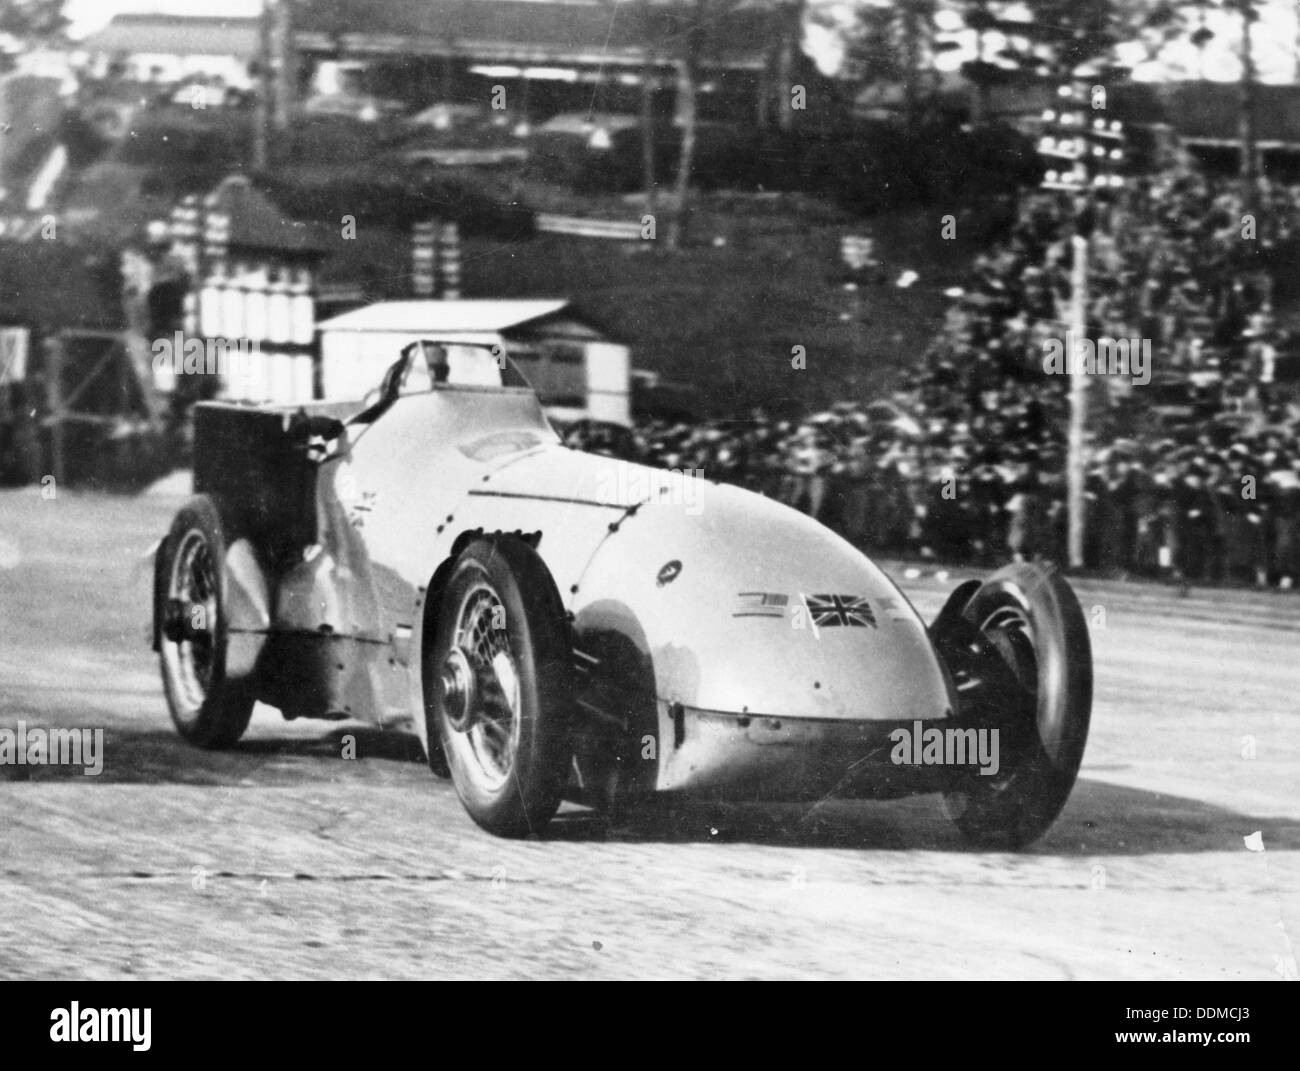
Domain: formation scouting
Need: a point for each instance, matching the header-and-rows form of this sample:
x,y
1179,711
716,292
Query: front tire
x,y
208,708
501,665
1031,617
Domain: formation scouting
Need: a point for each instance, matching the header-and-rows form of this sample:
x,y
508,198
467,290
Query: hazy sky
x,y
1277,36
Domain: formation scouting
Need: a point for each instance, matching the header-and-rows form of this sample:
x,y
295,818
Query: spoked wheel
x,y
502,666
190,615
480,687
1038,694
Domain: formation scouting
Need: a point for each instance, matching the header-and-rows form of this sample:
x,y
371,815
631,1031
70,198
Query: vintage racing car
x,y
558,625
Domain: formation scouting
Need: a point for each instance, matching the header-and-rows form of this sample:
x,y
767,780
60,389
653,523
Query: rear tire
x,y
1031,615
502,673
208,709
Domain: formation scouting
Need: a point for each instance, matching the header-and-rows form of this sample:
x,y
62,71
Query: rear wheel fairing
x,y
751,608
309,675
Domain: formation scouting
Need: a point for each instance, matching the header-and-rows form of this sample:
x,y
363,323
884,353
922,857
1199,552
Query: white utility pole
x,y
1078,400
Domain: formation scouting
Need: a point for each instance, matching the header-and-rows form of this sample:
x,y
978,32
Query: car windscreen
x,y
456,364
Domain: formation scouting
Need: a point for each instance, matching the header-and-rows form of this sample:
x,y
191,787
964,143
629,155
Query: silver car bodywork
x,y
725,643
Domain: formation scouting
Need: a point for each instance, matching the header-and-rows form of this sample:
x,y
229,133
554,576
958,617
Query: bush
x,y
871,168
395,199
183,151
84,141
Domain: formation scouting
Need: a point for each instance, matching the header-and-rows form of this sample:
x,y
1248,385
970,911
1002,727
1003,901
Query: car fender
x,y
248,609
728,593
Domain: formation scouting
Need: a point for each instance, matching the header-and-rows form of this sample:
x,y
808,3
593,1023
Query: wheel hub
x,y
459,691
184,620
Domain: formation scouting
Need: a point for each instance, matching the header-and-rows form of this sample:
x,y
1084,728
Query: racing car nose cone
x,y
458,690
769,613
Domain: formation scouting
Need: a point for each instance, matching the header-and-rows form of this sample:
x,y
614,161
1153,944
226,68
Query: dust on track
x,y
283,859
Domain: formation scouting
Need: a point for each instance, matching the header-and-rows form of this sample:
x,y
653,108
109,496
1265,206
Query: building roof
x,y
1198,111
470,316
531,31
591,31
176,35
1208,112
256,222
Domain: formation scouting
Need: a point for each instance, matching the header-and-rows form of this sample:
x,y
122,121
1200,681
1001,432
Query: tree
x,y
653,30
33,20
779,65
697,31
894,43
1061,36
1249,12
1171,21
982,73
690,57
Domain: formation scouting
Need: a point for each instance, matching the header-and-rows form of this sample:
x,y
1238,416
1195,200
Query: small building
x,y
242,278
552,55
170,48
577,370
556,56
1207,116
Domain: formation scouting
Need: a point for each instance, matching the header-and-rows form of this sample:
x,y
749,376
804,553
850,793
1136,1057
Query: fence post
x,y
53,347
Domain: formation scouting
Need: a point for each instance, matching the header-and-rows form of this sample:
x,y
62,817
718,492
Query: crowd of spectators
x,y
1195,475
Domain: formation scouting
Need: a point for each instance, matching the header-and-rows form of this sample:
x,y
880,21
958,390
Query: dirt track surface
x,y
282,859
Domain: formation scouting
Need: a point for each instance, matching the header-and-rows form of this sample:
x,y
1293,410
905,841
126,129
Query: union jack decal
x,y
829,611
